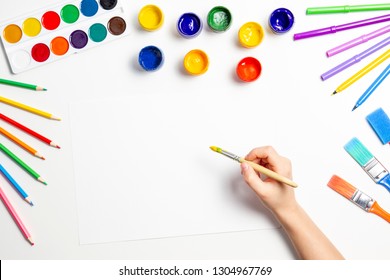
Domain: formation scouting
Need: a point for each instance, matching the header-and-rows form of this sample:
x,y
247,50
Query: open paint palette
x,y
54,33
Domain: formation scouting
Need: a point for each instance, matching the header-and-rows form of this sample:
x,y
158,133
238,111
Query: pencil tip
x,y
55,118
334,92
31,241
354,107
45,89
31,203
58,147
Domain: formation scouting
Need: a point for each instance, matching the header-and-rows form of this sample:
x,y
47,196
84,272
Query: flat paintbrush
x,y
357,197
256,167
368,162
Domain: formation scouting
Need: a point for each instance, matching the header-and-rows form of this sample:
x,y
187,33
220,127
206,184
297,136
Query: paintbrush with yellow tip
x,y
256,167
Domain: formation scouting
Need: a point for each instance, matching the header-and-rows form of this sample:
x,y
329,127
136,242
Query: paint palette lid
x,y
281,20
219,19
196,62
151,17
151,58
248,69
189,25
250,34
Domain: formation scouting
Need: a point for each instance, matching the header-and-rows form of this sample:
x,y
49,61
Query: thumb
x,y
251,177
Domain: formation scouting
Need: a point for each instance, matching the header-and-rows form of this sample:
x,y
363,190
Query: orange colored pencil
x,y
19,142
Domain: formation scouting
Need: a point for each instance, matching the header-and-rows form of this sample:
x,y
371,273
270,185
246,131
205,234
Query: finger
x,y
251,177
266,154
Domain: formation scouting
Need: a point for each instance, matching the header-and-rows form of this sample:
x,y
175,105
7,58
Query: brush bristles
x,y
358,151
341,186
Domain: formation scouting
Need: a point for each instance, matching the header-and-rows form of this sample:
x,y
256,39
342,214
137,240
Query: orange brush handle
x,y
376,209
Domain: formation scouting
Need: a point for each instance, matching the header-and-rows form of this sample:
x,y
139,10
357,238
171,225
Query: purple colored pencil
x,y
357,41
355,59
342,27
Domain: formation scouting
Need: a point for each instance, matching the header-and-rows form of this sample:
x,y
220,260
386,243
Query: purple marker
x,y
355,59
334,29
357,41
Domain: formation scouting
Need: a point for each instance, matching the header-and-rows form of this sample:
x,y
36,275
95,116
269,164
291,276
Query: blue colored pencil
x,y
15,185
372,87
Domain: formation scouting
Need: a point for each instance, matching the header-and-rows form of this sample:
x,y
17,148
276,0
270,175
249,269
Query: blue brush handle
x,y
385,182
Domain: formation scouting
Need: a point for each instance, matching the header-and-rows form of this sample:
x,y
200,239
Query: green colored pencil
x,y
22,164
347,9
22,85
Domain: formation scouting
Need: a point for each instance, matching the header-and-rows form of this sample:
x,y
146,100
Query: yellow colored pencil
x,y
20,143
363,71
28,108
256,167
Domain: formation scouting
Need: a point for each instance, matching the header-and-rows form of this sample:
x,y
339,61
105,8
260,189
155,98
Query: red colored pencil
x,y
27,130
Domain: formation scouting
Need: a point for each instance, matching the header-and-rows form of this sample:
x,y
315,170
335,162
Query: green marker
x,y
347,9
22,164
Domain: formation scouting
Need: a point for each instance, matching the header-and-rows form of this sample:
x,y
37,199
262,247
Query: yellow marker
x,y
28,108
151,17
363,71
251,34
256,167
196,62
31,27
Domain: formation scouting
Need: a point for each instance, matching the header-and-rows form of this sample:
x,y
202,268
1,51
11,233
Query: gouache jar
x,y
281,20
248,69
189,25
196,62
250,34
151,58
219,19
151,18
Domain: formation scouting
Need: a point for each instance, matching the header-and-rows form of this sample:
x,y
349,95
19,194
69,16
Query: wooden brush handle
x,y
376,209
270,173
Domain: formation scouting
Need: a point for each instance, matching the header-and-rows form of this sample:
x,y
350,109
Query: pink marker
x,y
357,41
15,216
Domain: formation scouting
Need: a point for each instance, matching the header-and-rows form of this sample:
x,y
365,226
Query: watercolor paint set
x,y
53,33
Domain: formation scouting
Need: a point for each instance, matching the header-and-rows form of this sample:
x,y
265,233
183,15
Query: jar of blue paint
x,y
281,20
151,58
189,25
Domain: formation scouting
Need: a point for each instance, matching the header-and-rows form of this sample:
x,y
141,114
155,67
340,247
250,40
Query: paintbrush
x,y
256,167
368,162
380,123
357,197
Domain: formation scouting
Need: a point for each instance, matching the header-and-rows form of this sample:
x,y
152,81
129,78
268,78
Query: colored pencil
x,y
22,164
28,108
347,9
15,216
357,197
372,87
342,27
363,71
20,143
17,187
28,131
355,59
357,41
22,85
256,167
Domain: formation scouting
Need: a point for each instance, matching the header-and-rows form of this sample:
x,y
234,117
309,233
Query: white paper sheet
x,y
144,168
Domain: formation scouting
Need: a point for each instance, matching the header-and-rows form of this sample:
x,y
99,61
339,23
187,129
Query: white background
x,y
311,129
